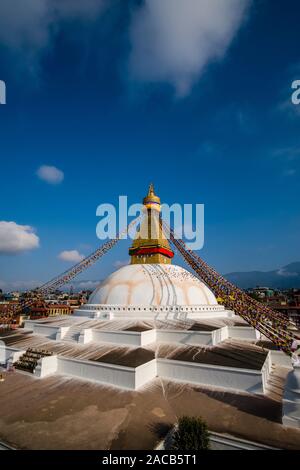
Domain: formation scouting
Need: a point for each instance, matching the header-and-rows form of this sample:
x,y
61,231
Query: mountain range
x,y
284,278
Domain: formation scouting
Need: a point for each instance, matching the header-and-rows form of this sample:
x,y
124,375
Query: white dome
x,y
152,284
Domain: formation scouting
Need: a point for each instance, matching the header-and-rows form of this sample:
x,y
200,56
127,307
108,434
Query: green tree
x,y
191,434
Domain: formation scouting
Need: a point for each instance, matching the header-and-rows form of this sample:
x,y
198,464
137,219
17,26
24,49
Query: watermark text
x,y
2,92
187,221
296,93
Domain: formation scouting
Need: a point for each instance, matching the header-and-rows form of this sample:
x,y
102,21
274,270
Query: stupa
x,y
151,286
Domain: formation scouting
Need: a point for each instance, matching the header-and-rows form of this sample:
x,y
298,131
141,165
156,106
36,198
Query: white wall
x,y
9,354
86,336
119,376
106,311
184,337
145,373
130,338
133,378
266,370
291,399
61,332
219,335
44,330
148,337
93,314
242,332
46,366
281,359
224,377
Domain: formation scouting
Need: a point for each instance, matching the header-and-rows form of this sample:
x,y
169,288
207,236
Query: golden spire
x,y
151,246
151,201
151,190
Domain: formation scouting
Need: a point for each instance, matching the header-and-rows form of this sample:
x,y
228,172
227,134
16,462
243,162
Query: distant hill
x,y
80,285
283,278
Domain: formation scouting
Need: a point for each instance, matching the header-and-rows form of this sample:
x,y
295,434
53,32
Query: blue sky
x,y
117,94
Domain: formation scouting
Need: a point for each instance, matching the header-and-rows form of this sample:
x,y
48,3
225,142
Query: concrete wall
x,y
281,359
218,441
224,377
93,314
42,329
184,337
266,370
46,366
86,336
130,338
9,354
150,312
291,399
119,376
145,373
53,332
242,332
219,335
133,378
61,332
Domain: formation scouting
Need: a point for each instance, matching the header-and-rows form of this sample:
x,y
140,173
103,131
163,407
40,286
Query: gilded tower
x,y
150,245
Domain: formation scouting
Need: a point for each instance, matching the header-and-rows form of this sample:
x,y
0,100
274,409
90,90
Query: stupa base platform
x,y
128,419
130,355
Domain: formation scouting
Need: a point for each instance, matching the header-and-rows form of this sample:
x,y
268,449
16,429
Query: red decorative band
x,y
151,251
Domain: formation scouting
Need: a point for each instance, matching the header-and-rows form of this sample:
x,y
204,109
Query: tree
x,y
191,434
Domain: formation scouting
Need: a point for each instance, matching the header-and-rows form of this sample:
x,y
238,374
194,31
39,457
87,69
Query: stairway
x,y
28,361
73,334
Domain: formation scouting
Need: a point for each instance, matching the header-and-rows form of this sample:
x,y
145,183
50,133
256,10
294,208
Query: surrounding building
x,y
45,310
284,301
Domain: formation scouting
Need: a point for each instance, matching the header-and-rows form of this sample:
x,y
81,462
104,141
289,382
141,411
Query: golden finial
x,y
151,191
151,200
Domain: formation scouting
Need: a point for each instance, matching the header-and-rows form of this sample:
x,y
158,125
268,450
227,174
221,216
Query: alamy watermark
x,y
2,92
296,93
187,221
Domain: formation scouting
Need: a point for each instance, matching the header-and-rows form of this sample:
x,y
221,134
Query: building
x,y
43,309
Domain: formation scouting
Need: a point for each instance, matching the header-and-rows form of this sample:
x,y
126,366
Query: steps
x,y
28,361
73,334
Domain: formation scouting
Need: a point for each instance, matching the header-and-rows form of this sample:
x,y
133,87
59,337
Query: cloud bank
x,y
28,27
71,256
50,174
173,40
7,286
16,238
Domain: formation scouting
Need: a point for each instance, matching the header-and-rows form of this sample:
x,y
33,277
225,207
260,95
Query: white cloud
x,y
174,40
8,286
289,172
50,174
120,263
23,24
28,27
291,110
88,285
71,255
288,153
16,238
284,273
